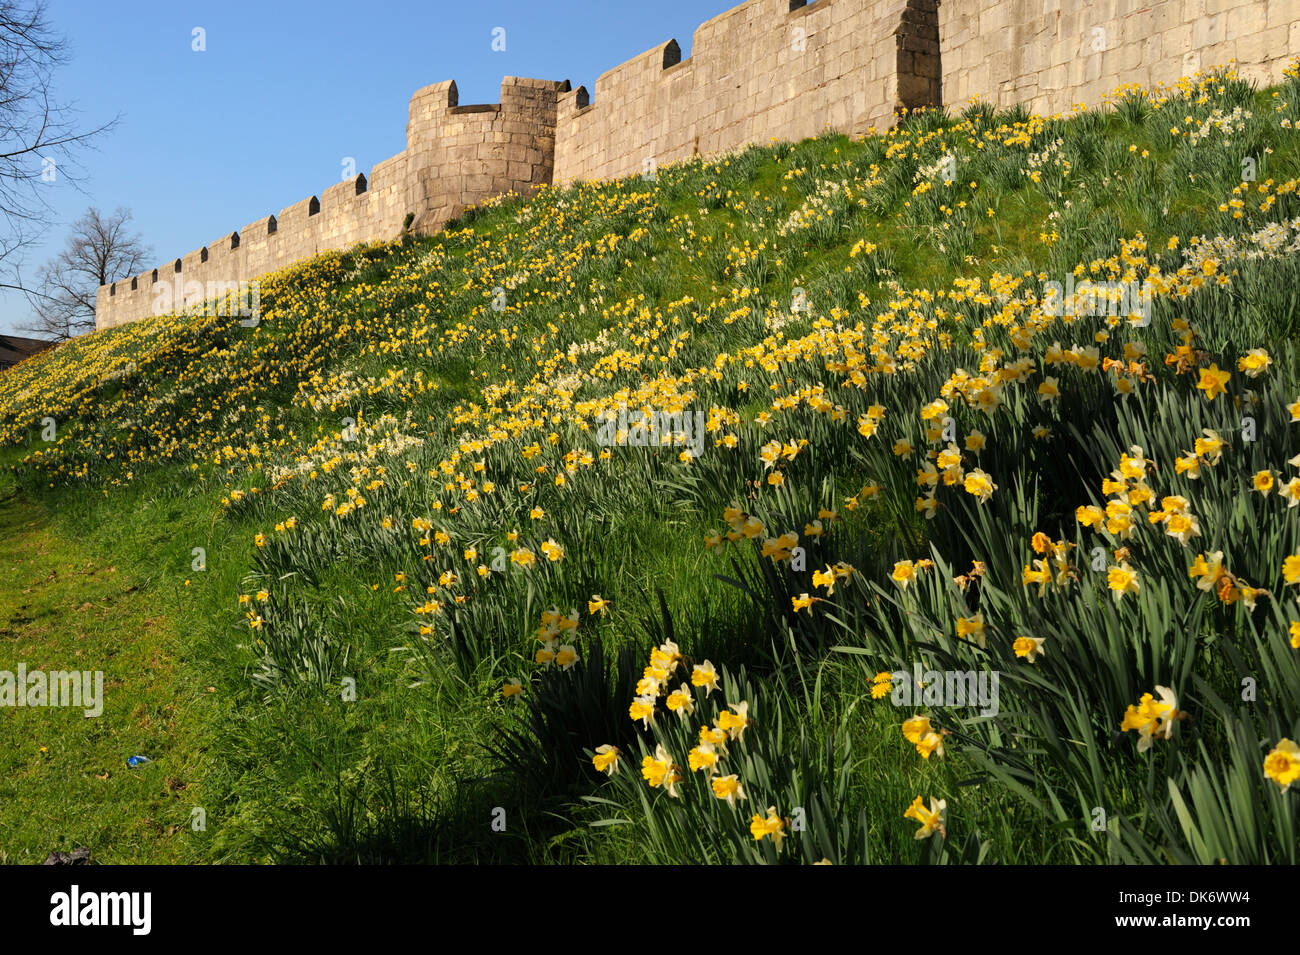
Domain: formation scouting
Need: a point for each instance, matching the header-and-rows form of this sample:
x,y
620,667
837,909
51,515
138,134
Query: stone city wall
x,y
764,70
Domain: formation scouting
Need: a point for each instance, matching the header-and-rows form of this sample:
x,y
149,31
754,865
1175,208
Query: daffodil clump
x,y
1054,350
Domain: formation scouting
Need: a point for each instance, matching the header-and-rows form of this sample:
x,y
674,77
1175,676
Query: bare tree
x,y
99,250
37,133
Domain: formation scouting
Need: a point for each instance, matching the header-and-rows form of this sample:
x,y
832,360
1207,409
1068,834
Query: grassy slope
x,y
296,772
65,604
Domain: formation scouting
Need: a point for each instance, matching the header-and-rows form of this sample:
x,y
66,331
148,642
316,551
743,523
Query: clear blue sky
x,y
209,141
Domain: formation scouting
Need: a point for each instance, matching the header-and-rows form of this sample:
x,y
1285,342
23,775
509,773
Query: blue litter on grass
x,y
134,761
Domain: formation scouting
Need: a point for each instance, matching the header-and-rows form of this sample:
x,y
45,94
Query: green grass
x,y
418,764
64,779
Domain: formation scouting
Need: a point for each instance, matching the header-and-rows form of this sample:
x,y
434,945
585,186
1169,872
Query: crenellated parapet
x,y
764,70
455,156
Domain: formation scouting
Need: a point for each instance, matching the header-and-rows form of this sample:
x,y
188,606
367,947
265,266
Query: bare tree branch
x,y
99,250
38,135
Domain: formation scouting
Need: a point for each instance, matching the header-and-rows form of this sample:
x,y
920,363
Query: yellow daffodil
x,y
980,485
703,758
1254,363
706,676
972,628
735,722
606,759
681,701
904,573
643,709
660,771
931,819
728,788
1282,764
1214,382
803,602
1123,579
1030,648
1152,718
825,579
773,826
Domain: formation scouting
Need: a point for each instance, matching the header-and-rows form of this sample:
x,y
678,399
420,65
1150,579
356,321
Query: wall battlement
x,y
766,69
455,156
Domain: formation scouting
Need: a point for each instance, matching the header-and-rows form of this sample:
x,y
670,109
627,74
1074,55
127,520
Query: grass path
x,y
64,779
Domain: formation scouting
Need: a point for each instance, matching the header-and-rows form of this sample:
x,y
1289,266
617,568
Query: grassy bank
x,y
66,604
449,612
